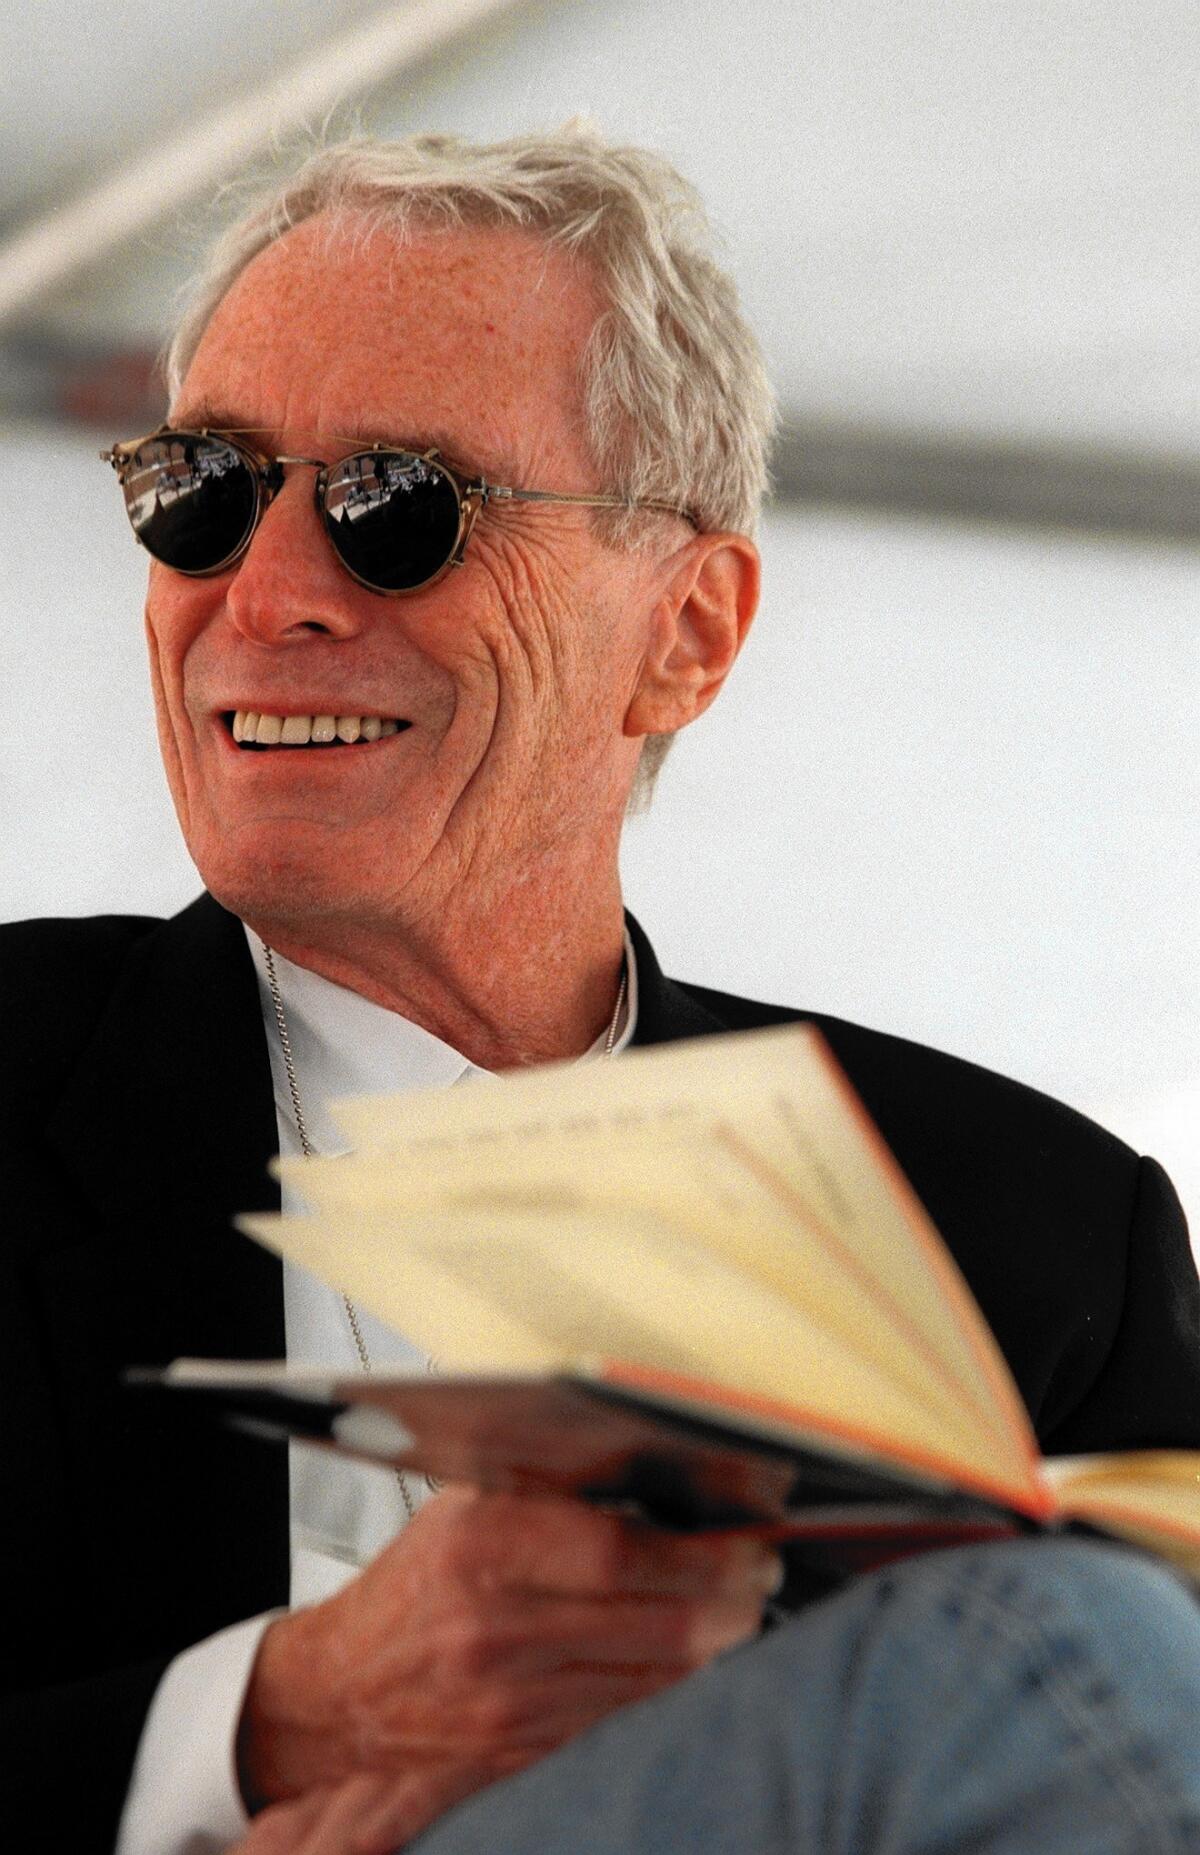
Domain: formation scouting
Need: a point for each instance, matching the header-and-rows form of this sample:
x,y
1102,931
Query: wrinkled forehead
x,y
341,326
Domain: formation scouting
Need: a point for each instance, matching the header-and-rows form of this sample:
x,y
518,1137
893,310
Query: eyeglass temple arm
x,y
486,492
499,492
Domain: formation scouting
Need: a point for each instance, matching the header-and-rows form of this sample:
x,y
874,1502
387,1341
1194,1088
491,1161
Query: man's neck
x,y
535,981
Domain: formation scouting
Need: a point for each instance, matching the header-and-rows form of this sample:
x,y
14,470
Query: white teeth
x,y
299,730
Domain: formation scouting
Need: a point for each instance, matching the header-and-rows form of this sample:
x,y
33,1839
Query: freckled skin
x,y
465,872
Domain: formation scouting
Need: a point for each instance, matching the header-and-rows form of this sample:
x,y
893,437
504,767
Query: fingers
x,y
542,1712
537,1674
394,1814
553,1634
647,1561
368,1814
567,1546
282,1829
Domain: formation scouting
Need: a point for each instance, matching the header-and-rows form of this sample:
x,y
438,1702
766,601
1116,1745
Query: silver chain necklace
x,y
309,1151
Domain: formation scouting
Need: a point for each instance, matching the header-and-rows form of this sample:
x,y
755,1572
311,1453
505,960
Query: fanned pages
x,y
695,1279
719,1209
782,1093
712,1199
1151,1498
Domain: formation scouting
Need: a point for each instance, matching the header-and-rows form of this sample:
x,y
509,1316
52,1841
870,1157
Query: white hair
x,y
677,402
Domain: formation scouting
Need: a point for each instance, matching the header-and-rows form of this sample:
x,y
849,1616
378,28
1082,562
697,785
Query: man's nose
x,y
288,584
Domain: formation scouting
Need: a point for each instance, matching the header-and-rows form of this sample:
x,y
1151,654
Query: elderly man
x,y
450,526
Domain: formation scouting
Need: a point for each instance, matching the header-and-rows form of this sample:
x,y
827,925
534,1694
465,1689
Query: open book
x,y
694,1280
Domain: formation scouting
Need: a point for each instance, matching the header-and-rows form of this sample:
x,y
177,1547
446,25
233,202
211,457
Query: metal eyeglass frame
x,y
472,494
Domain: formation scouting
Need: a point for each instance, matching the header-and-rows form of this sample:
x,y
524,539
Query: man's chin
x,y
288,892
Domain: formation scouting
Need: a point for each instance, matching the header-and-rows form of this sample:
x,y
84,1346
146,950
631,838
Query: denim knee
x,y
1018,1691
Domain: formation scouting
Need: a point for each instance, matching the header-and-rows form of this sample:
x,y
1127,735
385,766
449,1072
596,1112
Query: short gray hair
x,y
676,396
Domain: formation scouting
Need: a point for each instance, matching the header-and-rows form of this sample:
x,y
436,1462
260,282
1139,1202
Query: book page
x,y
1150,1497
821,1138
682,1085
503,1290
676,1209
360,1259
709,1193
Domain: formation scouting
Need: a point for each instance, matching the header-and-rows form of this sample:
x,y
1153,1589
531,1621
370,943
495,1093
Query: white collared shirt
x,y
183,1797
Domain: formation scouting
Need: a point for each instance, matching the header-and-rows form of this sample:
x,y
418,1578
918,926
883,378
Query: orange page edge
x,y
958,1295
1135,1518
870,1284
1033,1499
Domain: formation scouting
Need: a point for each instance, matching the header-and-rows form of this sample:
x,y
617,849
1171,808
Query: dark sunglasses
x,y
397,520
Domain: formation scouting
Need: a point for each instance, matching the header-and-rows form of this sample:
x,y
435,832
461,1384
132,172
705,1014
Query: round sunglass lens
x,y
192,501
393,518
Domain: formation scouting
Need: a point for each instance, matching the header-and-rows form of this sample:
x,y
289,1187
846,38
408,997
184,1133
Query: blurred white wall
x,y
942,214
951,790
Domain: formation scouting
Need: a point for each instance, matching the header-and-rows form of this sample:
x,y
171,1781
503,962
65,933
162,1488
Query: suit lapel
x,y
171,1099
167,1129
165,1132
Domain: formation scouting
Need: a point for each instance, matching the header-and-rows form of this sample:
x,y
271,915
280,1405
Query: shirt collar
x,y
344,1044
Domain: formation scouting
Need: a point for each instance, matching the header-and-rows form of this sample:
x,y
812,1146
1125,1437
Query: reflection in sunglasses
x,y
180,471
397,520
371,481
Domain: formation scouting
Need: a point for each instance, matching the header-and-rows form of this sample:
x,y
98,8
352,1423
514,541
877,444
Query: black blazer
x,y
136,1116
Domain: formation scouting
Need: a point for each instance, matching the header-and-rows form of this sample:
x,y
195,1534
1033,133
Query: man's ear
x,y
698,627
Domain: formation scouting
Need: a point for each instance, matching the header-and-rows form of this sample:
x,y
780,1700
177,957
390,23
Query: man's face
x,y
514,673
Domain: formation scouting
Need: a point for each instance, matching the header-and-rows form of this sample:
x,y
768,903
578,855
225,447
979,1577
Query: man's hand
x,y
492,1630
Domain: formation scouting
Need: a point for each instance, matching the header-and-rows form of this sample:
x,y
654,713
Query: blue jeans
x,y
1031,1698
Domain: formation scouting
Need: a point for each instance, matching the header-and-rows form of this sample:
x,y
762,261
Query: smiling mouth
x,y
253,731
